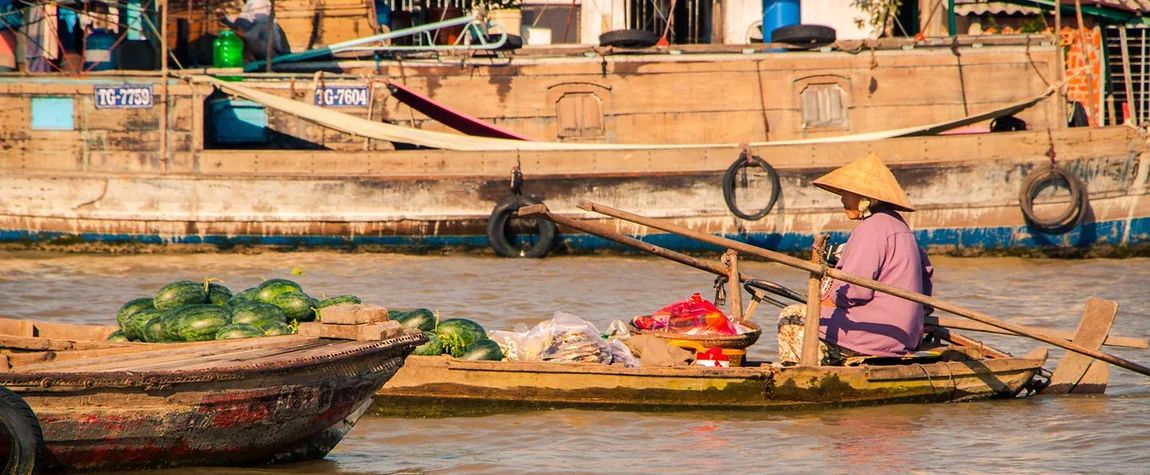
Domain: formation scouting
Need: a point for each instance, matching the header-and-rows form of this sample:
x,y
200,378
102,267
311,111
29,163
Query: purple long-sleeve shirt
x,y
882,247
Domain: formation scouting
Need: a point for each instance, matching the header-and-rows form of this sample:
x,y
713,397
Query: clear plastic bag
x,y
564,338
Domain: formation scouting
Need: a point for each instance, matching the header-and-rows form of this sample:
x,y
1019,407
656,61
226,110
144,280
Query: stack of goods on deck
x,y
565,338
199,311
458,337
692,316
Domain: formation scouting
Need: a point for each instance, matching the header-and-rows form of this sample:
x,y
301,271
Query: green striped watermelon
x,y
342,299
248,295
273,287
433,347
178,294
238,330
457,333
154,329
218,294
420,318
258,314
481,350
197,322
130,309
276,329
296,305
118,336
134,324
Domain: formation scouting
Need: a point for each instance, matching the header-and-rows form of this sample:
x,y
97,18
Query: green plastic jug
x,y
228,51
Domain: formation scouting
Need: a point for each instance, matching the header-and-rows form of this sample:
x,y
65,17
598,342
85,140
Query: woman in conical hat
x,y
855,320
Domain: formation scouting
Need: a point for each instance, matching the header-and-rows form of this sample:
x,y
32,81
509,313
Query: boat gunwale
x,y
152,378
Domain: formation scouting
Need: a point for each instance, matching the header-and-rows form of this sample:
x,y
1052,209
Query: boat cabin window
x,y
823,106
580,116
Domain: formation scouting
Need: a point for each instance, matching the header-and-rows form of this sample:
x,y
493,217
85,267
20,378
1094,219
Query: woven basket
x,y
737,342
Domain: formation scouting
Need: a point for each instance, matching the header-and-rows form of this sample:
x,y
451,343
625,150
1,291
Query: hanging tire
x,y
732,176
25,449
814,35
1069,218
629,38
501,216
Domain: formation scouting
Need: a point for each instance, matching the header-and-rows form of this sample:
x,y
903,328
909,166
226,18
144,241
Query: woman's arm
x,y
864,255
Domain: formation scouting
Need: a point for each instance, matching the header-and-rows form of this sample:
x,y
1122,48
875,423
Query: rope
x,y
720,290
928,380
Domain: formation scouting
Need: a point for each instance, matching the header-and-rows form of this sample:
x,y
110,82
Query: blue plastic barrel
x,y
779,13
98,51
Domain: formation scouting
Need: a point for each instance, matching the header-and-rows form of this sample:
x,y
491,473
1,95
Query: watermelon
x,y
133,325
433,347
484,349
238,330
178,294
118,335
133,306
276,329
342,299
296,305
218,294
420,318
271,288
457,333
197,322
154,329
248,295
258,314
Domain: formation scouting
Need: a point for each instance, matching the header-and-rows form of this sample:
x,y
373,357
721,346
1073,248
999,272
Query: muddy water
x,y
1108,434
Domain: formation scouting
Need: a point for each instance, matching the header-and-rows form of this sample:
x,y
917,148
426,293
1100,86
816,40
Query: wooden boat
x,y
98,182
431,386
113,406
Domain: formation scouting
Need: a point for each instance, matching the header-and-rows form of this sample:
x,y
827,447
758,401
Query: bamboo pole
x,y
1124,44
164,85
734,290
944,322
810,351
864,282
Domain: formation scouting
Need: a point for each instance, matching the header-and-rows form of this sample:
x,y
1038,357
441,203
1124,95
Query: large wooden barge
x,y
168,174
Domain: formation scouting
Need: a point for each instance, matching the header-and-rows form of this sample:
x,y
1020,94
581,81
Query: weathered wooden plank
x,y
1070,374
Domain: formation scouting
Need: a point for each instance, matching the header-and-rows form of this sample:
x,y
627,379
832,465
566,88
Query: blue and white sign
x,y
342,96
124,97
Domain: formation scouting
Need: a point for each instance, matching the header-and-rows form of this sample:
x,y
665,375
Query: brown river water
x,y
1044,434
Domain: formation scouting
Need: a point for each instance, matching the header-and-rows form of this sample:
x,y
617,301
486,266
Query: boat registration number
x,y
342,96
124,97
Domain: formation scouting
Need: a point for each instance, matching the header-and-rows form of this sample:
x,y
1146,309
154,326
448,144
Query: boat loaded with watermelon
x,y
197,376
948,367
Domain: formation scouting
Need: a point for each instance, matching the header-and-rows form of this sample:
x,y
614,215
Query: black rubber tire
x,y
803,35
497,229
629,38
729,186
513,42
1069,219
773,288
27,440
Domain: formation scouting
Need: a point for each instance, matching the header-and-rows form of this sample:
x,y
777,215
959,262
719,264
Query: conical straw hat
x,y
869,177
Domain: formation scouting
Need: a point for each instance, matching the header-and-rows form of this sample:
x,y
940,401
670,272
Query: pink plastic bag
x,y
693,316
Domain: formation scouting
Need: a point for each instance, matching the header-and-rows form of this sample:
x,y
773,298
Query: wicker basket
x,y
722,341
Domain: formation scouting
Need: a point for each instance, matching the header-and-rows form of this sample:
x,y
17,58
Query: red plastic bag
x,y
693,316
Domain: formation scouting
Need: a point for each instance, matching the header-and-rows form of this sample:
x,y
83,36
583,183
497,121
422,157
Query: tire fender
x,y
497,229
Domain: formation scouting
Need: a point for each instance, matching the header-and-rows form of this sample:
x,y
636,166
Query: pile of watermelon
x,y
200,311
458,337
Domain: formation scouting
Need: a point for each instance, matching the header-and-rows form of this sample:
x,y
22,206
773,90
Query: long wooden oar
x,y
863,282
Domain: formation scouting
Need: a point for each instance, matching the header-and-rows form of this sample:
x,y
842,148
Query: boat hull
x,y
257,415
441,386
966,192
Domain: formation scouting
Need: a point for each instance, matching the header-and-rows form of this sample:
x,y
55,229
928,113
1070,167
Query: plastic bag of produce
x,y
564,338
692,316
